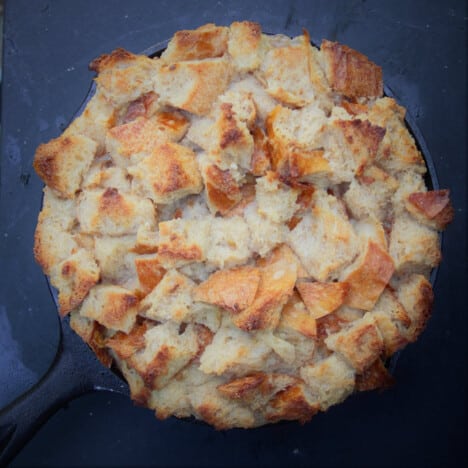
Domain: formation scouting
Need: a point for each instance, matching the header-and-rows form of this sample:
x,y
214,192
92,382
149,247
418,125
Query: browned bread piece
x,y
241,226
62,162
193,85
123,76
432,208
351,73
207,41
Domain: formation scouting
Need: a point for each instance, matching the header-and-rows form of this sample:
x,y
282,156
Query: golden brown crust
x,y
433,206
233,289
350,72
376,376
368,280
322,298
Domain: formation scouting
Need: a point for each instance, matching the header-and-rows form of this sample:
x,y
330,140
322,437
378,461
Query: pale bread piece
x,y
112,306
111,213
324,240
102,175
392,321
123,76
286,72
371,193
246,45
193,85
330,380
207,41
53,241
97,118
62,162
351,73
415,293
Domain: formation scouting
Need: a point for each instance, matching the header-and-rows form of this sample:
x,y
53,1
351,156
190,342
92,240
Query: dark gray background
x,y
421,46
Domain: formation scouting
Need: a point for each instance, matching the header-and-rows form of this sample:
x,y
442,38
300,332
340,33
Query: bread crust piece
x,y
351,73
62,162
242,226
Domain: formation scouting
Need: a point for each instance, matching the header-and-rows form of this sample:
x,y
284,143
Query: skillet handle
x,y
75,371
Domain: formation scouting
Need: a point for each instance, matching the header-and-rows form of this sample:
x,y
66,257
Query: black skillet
x,y
76,370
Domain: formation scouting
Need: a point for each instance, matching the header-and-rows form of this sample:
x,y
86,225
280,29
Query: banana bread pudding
x,y
241,225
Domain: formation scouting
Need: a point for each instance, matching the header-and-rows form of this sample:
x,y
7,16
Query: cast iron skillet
x,y
76,370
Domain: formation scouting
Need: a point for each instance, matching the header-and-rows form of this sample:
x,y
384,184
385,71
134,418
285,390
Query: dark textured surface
x,y
421,47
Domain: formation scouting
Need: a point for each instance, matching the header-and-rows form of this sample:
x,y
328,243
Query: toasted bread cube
x,y
370,229
193,85
414,247
286,72
318,78
169,173
93,334
73,278
62,162
149,271
166,352
398,150
139,392
126,345
324,240
256,389
392,321
230,141
243,105
171,299
207,41
432,208
360,345
130,142
183,241
210,405
112,306
293,403
261,157
368,276
147,238
123,76
330,380
246,45
297,318
351,73
145,106
350,146
295,132
97,117
275,288
374,377
111,213
222,191
415,293
322,298
232,289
